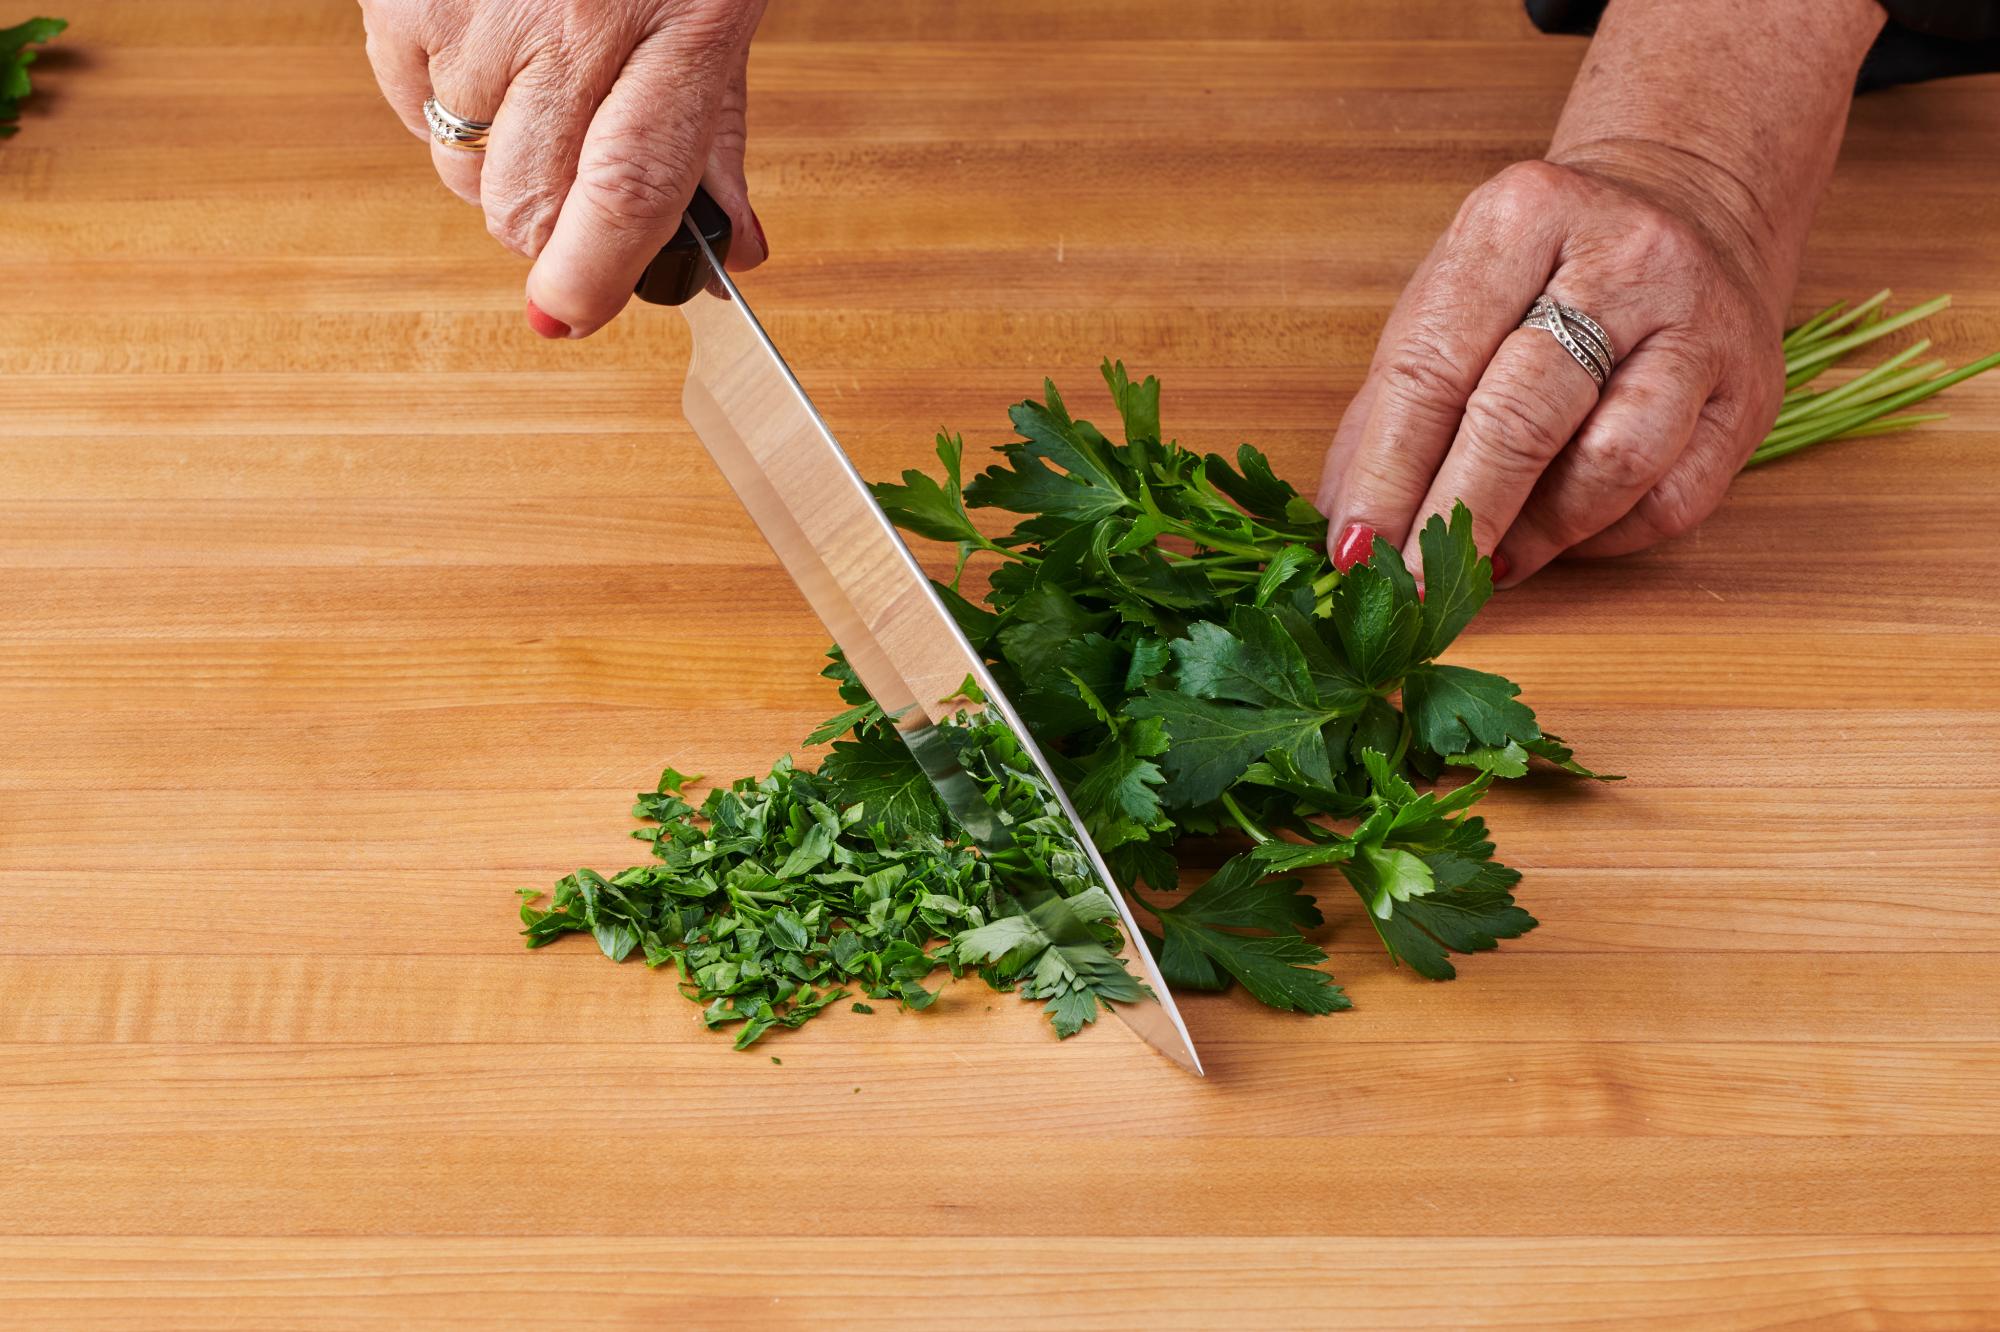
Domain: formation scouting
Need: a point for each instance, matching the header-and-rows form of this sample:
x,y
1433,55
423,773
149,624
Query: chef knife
x,y
853,567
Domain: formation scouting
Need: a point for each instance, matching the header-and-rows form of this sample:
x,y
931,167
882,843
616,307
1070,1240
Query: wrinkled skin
x,y
606,114
1672,206
1461,403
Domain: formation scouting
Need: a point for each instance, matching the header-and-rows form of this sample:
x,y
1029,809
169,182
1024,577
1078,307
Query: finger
x,y
635,175
1528,404
1347,433
403,74
469,77
1717,449
1346,439
724,180
1472,292
1633,437
537,135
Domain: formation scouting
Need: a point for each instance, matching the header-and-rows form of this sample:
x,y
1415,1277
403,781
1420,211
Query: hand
x,y
605,114
1461,403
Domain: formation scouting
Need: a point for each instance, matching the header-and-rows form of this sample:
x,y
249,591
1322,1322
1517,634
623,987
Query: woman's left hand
x,y
1461,403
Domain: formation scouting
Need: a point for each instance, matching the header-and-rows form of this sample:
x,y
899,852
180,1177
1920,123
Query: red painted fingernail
x,y
1420,591
1354,546
545,323
1500,566
762,244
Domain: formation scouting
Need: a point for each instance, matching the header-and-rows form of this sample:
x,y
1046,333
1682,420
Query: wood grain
x,y
334,606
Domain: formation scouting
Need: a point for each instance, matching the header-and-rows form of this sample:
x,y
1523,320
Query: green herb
x,y
779,893
15,57
1169,628
1863,405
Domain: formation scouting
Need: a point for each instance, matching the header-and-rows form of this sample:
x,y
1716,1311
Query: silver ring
x,y
1577,333
455,131
1588,330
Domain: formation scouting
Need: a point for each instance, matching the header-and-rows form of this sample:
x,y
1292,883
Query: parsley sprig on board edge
x,y
1169,627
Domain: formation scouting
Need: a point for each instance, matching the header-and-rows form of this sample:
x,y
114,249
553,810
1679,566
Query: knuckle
x,y
1517,195
1419,378
1685,361
1674,507
520,221
1618,462
1382,474
632,181
1657,242
1534,180
1515,426
1427,371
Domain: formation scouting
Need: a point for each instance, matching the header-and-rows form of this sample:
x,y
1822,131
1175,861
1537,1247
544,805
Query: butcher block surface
x,y
335,606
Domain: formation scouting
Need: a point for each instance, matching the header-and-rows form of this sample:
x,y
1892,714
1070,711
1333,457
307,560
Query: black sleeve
x,y
1924,39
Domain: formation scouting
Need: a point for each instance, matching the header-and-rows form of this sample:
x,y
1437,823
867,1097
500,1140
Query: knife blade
x,y
847,558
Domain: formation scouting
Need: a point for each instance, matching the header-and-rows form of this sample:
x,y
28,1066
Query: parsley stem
x,y
1808,403
1829,322
1887,425
1210,540
1258,833
1861,406
1009,552
1215,559
1402,746
1817,356
1841,422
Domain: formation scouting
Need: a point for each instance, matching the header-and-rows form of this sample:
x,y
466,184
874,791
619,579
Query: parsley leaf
x,y
1552,748
1457,580
1377,618
1454,708
1199,942
876,770
923,506
1057,950
1213,744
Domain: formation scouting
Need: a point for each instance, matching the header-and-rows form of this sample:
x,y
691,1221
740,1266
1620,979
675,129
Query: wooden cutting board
x,y
334,606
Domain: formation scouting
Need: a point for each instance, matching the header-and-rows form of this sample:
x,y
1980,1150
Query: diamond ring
x,y
455,131
1579,335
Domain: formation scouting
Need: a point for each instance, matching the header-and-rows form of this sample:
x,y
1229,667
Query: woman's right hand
x,y
606,114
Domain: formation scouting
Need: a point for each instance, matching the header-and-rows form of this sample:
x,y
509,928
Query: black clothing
x,y
1924,39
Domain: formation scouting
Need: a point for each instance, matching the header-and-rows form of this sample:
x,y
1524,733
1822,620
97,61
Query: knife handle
x,y
679,272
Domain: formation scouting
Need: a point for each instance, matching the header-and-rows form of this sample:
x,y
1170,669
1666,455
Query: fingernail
x,y
1420,591
545,323
1500,566
1354,546
758,225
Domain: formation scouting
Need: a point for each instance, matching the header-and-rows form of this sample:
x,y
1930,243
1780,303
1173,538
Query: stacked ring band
x,y
455,131
1577,333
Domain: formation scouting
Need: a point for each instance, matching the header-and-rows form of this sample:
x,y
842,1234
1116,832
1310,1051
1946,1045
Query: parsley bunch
x,y
1171,631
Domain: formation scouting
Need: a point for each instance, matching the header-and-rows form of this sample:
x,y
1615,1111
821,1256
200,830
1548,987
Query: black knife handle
x,y
678,272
